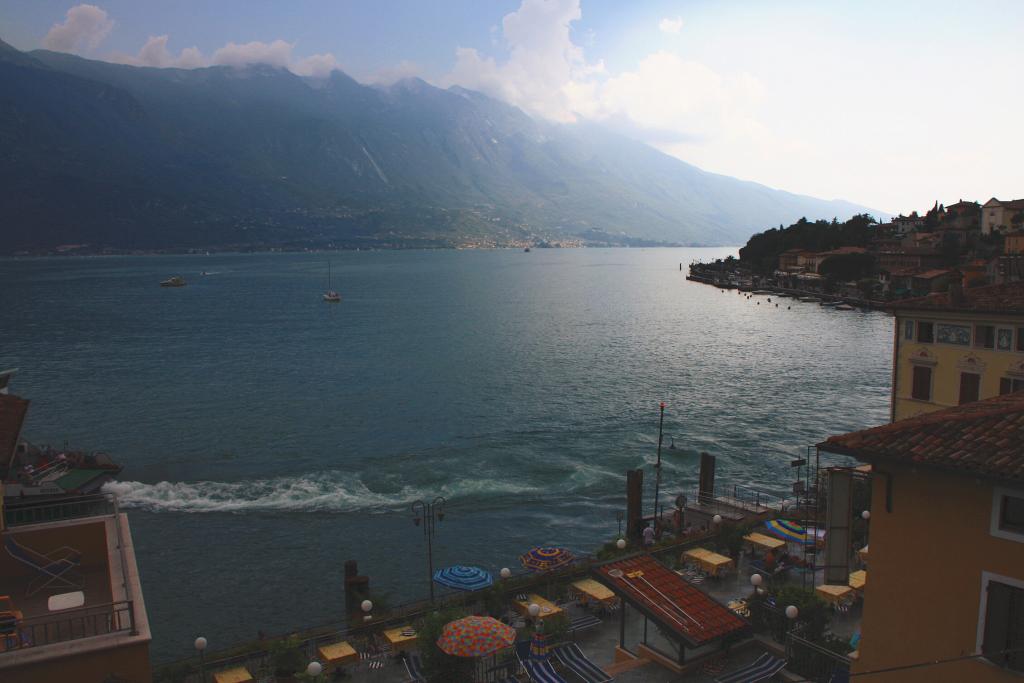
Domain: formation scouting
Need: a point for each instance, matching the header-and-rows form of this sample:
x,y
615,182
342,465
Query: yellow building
x,y
945,581
1013,243
957,347
997,216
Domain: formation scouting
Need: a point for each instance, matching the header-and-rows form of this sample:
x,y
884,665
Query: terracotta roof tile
x,y
976,439
1007,298
710,621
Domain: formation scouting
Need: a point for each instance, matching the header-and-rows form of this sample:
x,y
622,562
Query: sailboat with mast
x,y
330,295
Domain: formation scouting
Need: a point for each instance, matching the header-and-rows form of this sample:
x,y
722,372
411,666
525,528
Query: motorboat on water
x,y
175,281
32,474
844,307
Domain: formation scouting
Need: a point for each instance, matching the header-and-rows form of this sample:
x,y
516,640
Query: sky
x,y
892,104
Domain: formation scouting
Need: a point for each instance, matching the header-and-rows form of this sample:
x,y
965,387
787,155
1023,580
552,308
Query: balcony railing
x,y
72,624
20,514
812,661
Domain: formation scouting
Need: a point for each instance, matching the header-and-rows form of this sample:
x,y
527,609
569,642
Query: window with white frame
x,y
1001,621
1008,514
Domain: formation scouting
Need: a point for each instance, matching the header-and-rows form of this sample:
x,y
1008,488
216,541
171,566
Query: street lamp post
x,y
427,516
201,648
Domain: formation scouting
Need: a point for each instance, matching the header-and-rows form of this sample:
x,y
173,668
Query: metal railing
x,y
812,661
71,624
95,505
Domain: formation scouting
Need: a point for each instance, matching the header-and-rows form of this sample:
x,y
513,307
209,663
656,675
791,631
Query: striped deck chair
x,y
573,658
59,567
539,670
414,667
763,668
583,622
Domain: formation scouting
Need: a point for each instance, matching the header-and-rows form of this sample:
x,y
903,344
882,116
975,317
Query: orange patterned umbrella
x,y
475,637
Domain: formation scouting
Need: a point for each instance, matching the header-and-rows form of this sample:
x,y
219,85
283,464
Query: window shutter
x,y
997,622
970,385
1005,386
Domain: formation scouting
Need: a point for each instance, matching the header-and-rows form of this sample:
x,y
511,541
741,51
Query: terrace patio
x,y
765,629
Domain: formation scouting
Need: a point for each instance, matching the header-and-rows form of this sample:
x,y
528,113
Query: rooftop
x,y
671,600
1006,299
985,439
12,414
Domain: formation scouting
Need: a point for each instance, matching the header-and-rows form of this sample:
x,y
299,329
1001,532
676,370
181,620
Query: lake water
x,y
268,436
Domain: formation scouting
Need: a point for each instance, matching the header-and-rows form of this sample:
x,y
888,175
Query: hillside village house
x,y
957,347
946,564
997,216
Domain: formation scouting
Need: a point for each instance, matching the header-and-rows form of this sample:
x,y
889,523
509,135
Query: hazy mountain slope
x,y
127,157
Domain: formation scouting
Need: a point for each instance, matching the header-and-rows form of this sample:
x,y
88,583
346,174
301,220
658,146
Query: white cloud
x,y
317,66
155,53
543,60
277,53
665,99
404,69
84,28
667,25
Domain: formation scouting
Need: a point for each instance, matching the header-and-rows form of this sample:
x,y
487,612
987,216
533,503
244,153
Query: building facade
x,y
997,216
957,347
944,599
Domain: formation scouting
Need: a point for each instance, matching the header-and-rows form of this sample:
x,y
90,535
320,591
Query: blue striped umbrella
x,y
463,578
788,531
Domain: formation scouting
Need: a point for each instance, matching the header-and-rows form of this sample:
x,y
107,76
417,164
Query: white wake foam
x,y
307,493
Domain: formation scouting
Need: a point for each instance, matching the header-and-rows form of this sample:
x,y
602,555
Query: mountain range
x,y
135,158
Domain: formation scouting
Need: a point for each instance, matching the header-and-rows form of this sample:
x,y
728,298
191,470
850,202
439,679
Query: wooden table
x,y
399,642
547,608
336,654
765,542
858,579
833,594
712,563
237,675
593,590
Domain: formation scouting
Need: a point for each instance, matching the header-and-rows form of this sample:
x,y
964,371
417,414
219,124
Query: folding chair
x,y
58,567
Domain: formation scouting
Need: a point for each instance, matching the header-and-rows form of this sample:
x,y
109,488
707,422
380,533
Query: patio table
x,y
336,654
833,594
400,642
593,590
712,563
547,608
764,542
858,579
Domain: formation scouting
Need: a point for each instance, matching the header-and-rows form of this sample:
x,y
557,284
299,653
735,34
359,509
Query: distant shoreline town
x,y
966,244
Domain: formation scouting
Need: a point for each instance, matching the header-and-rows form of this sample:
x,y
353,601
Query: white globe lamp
x,y
717,519
366,606
756,580
200,643
792,612
505,572
620,544
534,609
314,669
866,515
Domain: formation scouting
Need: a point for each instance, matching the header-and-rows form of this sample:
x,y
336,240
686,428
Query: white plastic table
x,y
65,601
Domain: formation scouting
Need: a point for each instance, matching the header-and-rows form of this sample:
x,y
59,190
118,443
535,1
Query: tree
x,y
845,267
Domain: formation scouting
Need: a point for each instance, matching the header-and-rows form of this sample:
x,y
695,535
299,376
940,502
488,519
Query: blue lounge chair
x,y
59,567
414,667
763,668
539,670
573,658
